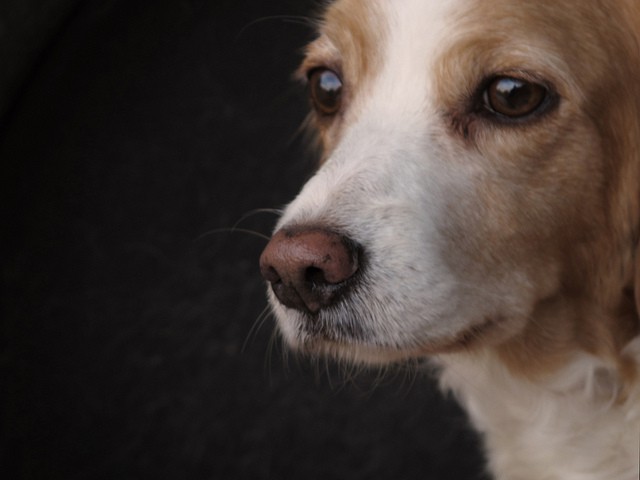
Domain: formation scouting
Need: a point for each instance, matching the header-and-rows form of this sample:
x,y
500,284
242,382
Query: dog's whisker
x,y
327,372
251,213
411,373
272,345
292,19
233,230
235,227
257,325
268,365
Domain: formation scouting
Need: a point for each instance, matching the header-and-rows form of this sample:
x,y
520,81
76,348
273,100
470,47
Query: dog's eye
x,y
325,89
514,97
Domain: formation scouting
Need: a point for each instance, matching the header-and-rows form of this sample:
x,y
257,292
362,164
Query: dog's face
x,y
480,157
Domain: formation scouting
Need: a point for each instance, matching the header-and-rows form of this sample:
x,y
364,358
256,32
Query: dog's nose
x,y
308,268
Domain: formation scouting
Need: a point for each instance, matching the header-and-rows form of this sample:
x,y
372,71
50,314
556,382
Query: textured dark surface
x,y
134,128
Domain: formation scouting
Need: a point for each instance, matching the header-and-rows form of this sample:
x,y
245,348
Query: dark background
x,y
128,129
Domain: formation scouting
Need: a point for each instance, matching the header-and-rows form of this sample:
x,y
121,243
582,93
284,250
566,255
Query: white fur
x,y
566,428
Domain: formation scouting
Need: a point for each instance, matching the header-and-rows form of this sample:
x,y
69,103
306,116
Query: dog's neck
x,y
563,327
587,404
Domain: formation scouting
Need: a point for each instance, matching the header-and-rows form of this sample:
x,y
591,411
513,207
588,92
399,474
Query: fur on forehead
x,y
349,29
359,30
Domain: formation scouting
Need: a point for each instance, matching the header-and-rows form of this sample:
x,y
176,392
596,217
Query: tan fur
x,y
587,226
637,280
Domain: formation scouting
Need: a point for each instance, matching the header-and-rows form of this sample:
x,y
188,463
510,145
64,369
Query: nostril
x,y
270,274
309,269
315,276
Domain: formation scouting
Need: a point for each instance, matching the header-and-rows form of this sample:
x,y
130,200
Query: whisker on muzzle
x,y
236,229
255,328
301,20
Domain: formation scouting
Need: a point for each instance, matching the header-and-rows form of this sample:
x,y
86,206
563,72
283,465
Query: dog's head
x,y
480,180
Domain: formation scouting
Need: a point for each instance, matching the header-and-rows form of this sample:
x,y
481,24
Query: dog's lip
x,y
465,340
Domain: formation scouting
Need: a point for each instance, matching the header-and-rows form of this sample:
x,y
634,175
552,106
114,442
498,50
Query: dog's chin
x,y
311,336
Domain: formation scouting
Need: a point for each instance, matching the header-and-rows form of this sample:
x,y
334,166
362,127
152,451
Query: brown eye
x,y
514,97
325,90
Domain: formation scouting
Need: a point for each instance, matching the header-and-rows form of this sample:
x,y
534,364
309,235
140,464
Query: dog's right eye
x,y
325,90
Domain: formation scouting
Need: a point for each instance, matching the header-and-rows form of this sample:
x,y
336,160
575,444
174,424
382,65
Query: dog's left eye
x,y
325,90
514,97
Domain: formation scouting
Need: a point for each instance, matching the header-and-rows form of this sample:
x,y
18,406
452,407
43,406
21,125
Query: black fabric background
x,y
129,130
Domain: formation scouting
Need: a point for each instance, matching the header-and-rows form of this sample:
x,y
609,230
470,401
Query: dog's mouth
x,y
354,339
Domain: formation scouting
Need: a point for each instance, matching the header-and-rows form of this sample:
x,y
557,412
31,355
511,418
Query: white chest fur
x,y
573,426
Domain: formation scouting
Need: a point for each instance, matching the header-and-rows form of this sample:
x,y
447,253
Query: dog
x,y
477,203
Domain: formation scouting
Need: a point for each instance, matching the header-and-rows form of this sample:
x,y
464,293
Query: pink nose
x,y
308,268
